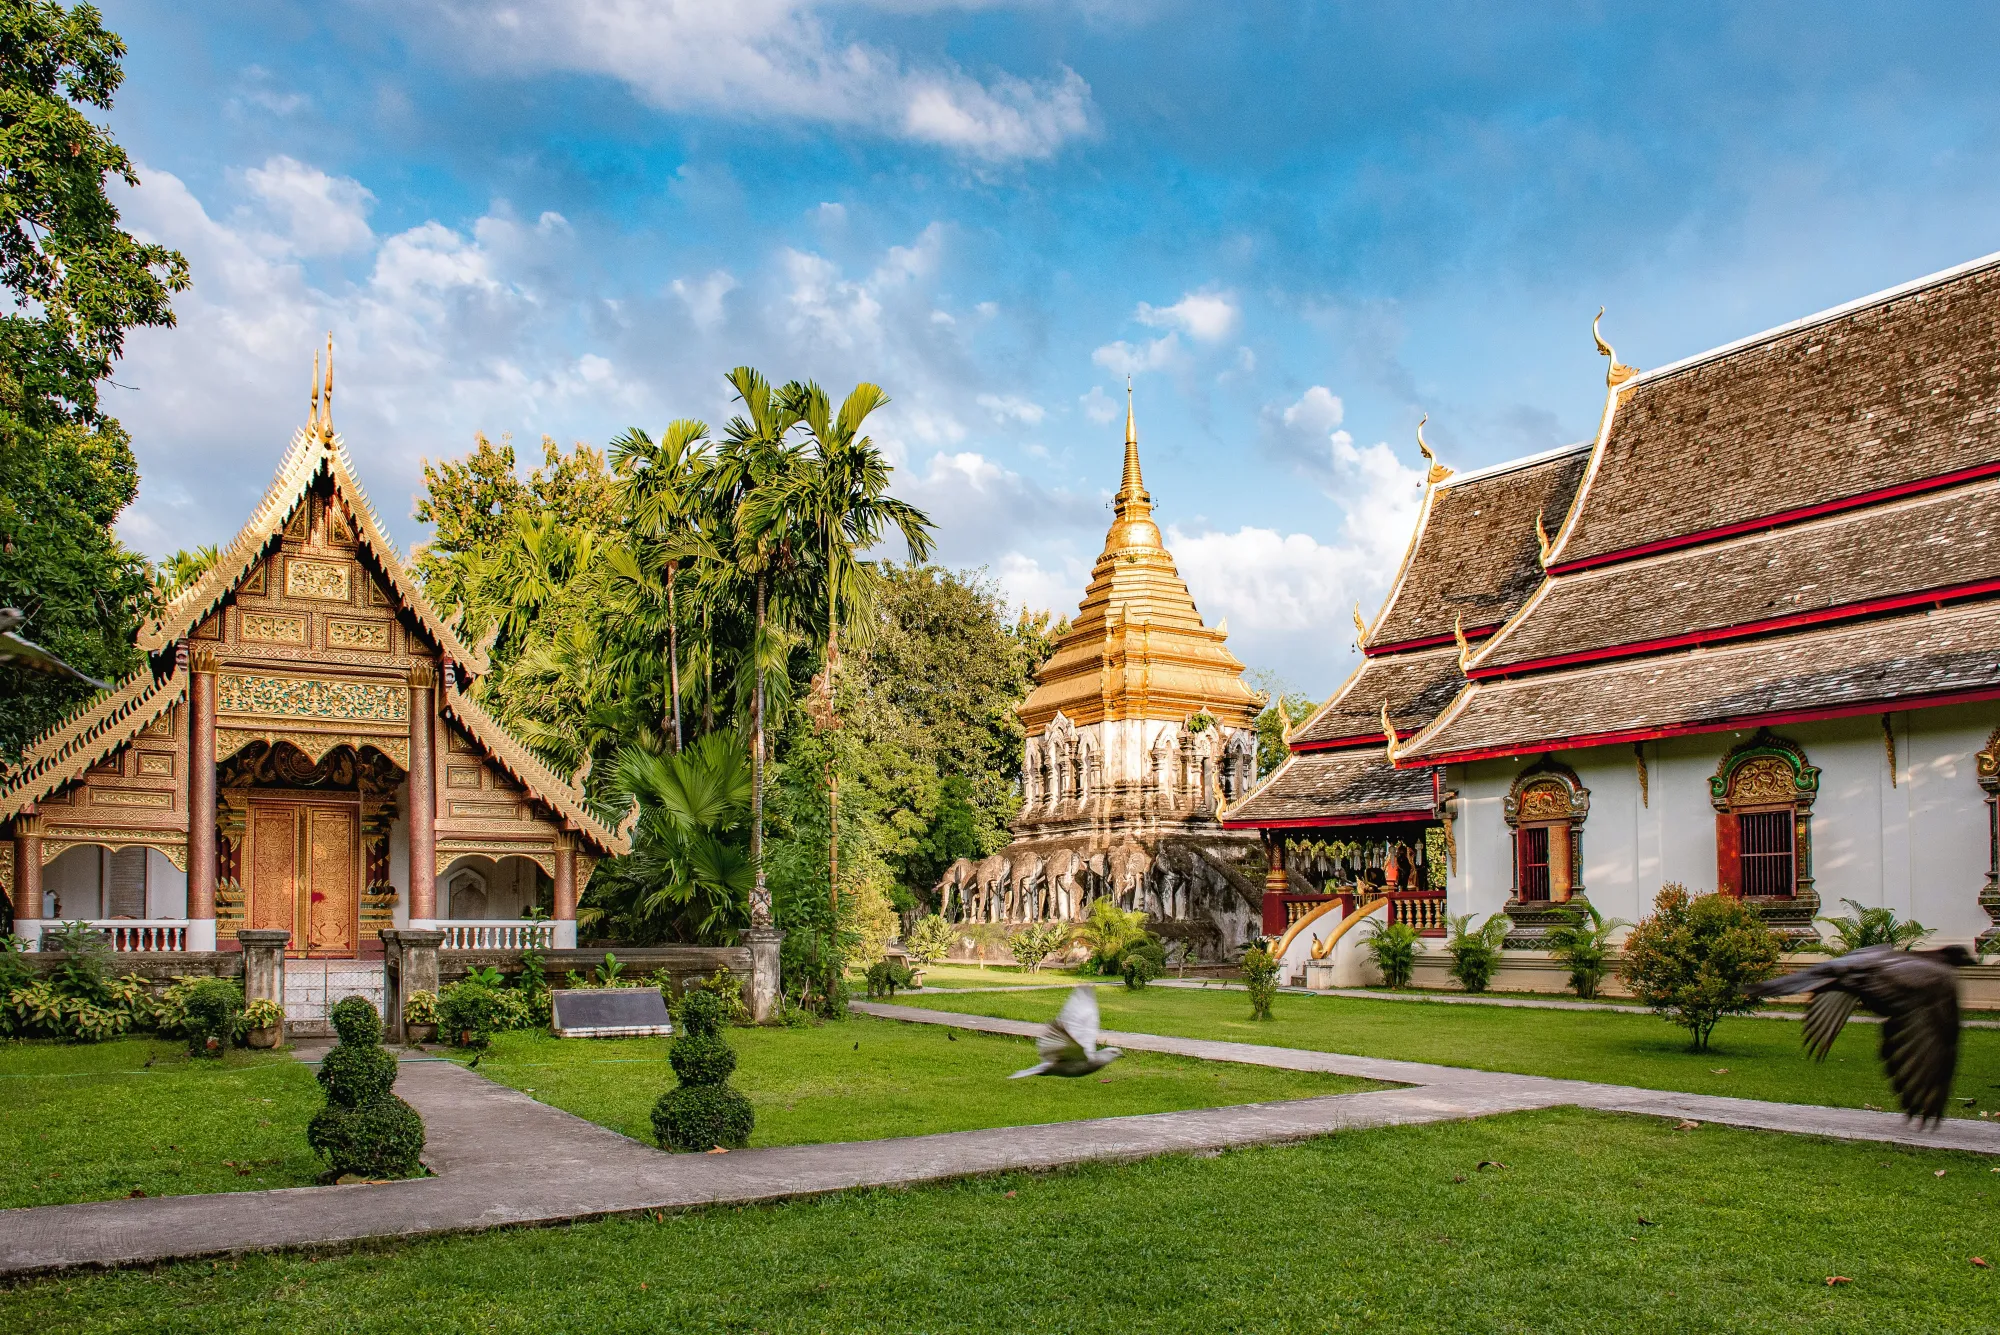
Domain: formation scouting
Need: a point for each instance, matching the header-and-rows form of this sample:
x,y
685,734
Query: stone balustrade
x,y
496,934
143,935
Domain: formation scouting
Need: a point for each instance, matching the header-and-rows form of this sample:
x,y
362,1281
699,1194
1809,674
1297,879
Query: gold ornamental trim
x,y
151,799
325,581
66,753
542,855
366,636
272,628
7,868
261,696
170,843
314,743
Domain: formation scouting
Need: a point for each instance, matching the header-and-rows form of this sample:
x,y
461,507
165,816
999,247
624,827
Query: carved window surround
x,y
1987,767
1545,810
1766,776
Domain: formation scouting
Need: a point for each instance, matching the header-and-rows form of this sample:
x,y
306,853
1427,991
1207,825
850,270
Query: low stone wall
x,y
685,963
159,968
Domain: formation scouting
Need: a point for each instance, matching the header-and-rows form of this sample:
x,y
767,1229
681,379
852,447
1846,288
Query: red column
x,y
201,869
28,875
423,795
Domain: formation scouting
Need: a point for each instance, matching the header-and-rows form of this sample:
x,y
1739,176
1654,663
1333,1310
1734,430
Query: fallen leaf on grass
x,y
1832,1280
717,1150
1980,1261
1645,1222
137,1195
1458,1177
1938,1173
1491,1163
1718,1070
1872,1107
1688,1124
1104,1080
1010,1195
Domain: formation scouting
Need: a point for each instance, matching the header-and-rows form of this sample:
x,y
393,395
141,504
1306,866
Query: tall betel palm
x,y
757,543
662,481
839,504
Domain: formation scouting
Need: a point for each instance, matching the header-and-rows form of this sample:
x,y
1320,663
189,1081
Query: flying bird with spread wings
x,y
19,653
1916,994
1068,1046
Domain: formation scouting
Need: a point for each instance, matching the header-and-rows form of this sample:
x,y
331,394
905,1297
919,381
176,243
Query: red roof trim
x,y
1743,630
1428,641
1741,721
1782,518
1308,822
1340,743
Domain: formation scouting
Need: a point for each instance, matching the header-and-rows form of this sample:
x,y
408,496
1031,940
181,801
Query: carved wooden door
x,y
305,874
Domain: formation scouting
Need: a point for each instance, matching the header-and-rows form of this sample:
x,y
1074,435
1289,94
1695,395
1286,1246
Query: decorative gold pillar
x,y
565,896
28,878
201,869
423,796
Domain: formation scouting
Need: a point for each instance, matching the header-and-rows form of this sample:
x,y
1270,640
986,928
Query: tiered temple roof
x,y
1799,525
1470,563
1138,648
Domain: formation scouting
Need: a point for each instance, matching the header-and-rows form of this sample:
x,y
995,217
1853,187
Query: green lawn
x,y
1756,1059
993,975
1389,1230
868,1079
94,1121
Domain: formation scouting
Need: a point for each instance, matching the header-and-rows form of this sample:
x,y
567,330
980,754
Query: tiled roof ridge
x,y
1506,466
1353,679
91,735
541,781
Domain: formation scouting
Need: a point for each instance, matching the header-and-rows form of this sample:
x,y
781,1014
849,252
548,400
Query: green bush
x,y
702,1059
1141,961
699,1117
364,1129
1036,942
469,1013
214,1009
1584,944
1693,960
1474,954
1394,947
885,976
928,940
702,1111
1868,927
1260,974
421,1007
1108,930
724,986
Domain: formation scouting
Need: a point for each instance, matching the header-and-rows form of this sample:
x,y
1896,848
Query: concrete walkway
x,y
501,1158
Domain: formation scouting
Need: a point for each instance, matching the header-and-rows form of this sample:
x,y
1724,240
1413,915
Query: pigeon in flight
x,y
1069,1045
1916,994
20,653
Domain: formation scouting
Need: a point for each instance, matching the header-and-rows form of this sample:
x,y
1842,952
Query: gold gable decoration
x,y
65,754
1138,648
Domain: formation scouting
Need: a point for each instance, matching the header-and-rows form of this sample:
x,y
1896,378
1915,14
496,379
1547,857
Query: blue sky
x,y
1298,228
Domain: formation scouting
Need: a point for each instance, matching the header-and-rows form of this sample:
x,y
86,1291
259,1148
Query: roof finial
x,y
1132,500
1389,731
1438,472
1541,541
1617,373
1464,647
312,420
1131,427
326,417
1360,625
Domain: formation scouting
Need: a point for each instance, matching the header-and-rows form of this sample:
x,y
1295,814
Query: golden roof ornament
x,y
320,424
1464,646
1389,732
1360,626
1541,541
1617,373
1437,472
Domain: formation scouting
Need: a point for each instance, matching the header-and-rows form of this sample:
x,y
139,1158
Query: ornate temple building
x,y
1753,648
1140,729
300,752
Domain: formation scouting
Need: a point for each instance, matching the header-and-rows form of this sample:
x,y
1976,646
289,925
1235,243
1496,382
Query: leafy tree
x,y
178,572
929,939
1283,710
661,485
75,282
1260,975
1694,958
1109,930
1036,942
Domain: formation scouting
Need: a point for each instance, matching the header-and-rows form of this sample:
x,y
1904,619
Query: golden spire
x,y
1438,472
1617,373
1134,526
320,424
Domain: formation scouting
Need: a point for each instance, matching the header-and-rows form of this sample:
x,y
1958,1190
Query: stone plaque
x,y
611,1012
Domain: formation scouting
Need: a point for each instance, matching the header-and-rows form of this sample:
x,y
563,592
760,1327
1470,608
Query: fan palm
x,y
1583,942
685,860
1870,927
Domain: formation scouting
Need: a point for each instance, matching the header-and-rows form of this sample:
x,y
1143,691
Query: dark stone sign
x,y
611,1012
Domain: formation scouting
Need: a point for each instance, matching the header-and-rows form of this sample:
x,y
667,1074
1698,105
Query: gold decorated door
x,y
304,861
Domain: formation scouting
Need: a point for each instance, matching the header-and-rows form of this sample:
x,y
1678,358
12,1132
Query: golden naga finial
x,y
1437,472
312,418
1360,626
1389,731
1284,722
1618,373
326,412
1464,645
1541,541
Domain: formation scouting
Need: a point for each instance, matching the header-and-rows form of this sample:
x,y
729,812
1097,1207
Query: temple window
x,y
1763,793
1545,811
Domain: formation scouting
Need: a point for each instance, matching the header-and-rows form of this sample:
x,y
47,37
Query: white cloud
x,y
1012,408
1206,317
1318,409
703,296
776,59
1128,359
1098,406
322,214
1263,580
1026,582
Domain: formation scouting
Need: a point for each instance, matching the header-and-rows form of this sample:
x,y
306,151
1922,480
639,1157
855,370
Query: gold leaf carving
x,y
485,810
156,765
271,628
309,697
328,581
461,776
1764,779
127,797
1545,801
370,636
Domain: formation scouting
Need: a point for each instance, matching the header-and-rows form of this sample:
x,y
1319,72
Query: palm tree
x,y
685,863
1869,927
755,458
839,502
662,481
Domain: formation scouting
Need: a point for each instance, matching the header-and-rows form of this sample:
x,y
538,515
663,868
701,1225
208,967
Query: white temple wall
x,y
166,887
399,855
1919,847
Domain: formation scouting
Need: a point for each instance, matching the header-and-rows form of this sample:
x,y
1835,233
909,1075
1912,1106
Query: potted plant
x,y
263,1023
420,1017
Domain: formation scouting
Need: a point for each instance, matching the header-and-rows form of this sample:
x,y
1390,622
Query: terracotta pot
x,y
419,1033
265,1037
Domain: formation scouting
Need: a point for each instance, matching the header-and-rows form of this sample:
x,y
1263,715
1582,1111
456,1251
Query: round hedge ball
x,y
352,1075
356,1021
700,1117
384,1137
702,1059
702,1013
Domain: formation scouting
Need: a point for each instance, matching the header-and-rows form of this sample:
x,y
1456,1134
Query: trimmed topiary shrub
x,y
1260,975
468,1013
364,1130
214,1009
703,1111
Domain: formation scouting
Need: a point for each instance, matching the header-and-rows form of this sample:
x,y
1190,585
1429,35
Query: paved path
x,y
501,1158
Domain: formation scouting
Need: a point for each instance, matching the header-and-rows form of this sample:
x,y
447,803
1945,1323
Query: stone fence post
x,y
412,965
763,943
264,965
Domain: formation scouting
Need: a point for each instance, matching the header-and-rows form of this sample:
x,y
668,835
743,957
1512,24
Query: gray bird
x,y
20,653
1916,994
1069,1045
